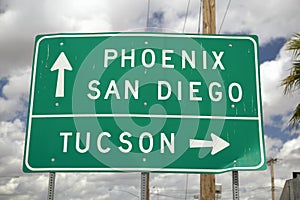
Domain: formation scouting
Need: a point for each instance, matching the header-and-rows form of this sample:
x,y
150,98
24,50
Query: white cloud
x,y
253,17
261,18
273,146
104,186
15,95
257,184
291,150
11,147
275,103
20,21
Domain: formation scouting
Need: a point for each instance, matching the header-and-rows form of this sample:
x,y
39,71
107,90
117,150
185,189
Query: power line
x,y
199,19
148,13
186,185
227,8
186,15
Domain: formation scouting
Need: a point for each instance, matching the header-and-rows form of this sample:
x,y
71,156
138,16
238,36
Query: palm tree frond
x,y
292,81
294,45
295,120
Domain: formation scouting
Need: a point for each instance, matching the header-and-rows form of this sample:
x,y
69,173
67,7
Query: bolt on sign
x,y
145,102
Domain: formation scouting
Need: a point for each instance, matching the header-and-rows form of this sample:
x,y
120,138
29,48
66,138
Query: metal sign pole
x,y
235,185
51,185
145,186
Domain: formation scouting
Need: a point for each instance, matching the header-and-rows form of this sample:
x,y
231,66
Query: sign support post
x,y
145,186
235,185
51,186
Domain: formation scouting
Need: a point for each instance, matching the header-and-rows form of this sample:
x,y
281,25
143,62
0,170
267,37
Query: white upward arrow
x,y
217,144
61,64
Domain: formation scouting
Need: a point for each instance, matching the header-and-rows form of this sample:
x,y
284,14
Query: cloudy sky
x,y
273,21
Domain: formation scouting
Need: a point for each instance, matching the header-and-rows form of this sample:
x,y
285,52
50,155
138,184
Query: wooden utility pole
x,y
271,163
207,181
207,187
209,17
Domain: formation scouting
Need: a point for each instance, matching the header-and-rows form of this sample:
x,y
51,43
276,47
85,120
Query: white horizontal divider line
x,y
143,116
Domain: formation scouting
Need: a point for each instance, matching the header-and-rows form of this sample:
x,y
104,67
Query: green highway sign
x,y
145,102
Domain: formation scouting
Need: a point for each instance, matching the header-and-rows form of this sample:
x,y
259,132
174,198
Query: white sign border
x,y
80,35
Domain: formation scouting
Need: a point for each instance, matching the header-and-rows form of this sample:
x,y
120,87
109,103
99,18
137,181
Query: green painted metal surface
x,y
145,102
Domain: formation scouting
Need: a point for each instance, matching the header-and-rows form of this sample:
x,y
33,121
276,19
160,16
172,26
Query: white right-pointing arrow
x,y
217,144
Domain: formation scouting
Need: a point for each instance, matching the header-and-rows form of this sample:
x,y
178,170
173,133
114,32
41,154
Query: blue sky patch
x,y
156,19
3,82
276,132
270,50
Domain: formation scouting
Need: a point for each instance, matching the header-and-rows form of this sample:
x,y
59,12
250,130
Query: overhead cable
x,y
225,14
